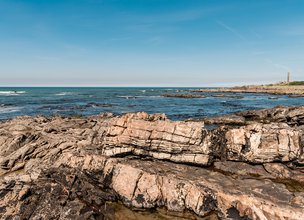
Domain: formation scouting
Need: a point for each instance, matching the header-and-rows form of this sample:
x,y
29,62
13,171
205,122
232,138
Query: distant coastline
x,y
293,89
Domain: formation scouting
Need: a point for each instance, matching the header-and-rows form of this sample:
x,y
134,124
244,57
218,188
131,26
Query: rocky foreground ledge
x,y
70,168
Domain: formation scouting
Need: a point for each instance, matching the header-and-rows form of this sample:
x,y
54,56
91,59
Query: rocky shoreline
x,y
249,166
276,89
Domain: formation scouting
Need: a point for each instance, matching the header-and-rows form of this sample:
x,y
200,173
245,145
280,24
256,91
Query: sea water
x,y
82,101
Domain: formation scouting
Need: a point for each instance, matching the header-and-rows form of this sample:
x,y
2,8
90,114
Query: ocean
x,y
82,101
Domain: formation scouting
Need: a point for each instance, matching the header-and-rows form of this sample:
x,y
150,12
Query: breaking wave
x,y
65,93
10,93
4,109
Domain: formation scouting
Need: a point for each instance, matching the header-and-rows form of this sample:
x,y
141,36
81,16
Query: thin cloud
x,y
231,30
259,52
256,34
294,33
151,28
277,65
182,15
287,29
119,38
291,30
154,41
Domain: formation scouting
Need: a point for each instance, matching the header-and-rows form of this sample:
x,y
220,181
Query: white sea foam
x,y
10,93
155,96
147,96
64,93
4,110
126,97
138,96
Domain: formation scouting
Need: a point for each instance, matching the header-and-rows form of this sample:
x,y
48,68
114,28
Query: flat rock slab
x,y
180,187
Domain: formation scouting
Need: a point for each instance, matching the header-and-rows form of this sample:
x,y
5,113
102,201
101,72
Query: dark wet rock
x,y
188,117
282,172
231,104
225,120
61,193
98,105
278,172
291,115
227,96
241,169
6,105
186,96
296,96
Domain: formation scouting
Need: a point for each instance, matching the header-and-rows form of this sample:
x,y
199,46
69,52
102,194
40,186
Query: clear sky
x,y
150,42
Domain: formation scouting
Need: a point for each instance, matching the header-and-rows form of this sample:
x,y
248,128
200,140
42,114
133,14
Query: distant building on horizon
x,y
288,77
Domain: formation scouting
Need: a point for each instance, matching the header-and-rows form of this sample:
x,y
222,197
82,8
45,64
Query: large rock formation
x,y
69,168
260,143
155,136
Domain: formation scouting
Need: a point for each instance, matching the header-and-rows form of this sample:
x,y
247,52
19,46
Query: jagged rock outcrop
x,y
293,115
58,193
68,168
260,143
203,191
158,137
190,142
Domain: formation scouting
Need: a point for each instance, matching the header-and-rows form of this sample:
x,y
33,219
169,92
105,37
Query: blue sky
x,y
150,42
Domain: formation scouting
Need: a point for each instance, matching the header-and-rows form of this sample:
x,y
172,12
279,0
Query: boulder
x,y
262,143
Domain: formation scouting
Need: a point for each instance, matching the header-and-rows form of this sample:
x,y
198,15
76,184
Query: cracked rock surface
x,y
71,168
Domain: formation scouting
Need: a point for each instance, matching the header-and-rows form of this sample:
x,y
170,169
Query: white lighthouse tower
x,y
288,77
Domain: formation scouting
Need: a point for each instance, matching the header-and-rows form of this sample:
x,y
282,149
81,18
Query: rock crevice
x,y
69,168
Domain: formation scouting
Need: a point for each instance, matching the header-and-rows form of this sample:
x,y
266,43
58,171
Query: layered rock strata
x,y
156,136
69,168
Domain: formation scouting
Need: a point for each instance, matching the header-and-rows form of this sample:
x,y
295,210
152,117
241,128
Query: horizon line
x,y
142,86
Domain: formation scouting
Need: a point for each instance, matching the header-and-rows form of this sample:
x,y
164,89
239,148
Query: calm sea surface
x,y
92,101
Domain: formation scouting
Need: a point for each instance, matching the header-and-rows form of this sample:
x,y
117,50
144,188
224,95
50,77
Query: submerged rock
x,y
224,120
227,96
186,96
